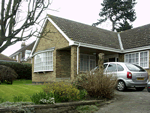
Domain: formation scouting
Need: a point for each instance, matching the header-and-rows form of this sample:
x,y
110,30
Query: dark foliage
x,y
7,73
118,12
24,70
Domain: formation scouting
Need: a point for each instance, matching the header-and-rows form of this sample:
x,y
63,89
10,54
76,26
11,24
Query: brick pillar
x,y
19,57
100,62
73,62
121,57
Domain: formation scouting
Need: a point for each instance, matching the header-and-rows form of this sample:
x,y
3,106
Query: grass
x,y
19,88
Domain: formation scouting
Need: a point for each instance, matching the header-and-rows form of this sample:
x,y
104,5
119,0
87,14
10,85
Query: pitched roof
x,y
28,47
136,37
87,34
5,58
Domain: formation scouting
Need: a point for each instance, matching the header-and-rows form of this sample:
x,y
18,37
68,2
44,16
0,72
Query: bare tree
x,y
13,25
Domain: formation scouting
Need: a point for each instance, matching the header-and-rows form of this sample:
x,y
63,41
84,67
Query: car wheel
x,y
140,88
121,86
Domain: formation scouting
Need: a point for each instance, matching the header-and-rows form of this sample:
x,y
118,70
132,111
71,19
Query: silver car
x,y
128,75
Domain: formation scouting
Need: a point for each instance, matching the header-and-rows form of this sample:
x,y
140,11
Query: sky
x,y
87,12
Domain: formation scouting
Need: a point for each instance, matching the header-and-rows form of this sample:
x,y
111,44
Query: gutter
x,y
78,58
120,42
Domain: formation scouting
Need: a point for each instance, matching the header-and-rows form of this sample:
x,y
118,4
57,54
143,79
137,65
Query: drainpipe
x,y
78,58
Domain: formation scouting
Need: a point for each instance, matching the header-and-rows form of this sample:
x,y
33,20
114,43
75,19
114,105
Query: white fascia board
x,y
35,45
136,49
71,42
51,49
98,47
15,54
37,40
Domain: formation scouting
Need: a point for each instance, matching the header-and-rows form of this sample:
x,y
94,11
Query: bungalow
x,y
66,48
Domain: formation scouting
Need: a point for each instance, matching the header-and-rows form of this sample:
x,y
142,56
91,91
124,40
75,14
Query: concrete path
x,y
130,101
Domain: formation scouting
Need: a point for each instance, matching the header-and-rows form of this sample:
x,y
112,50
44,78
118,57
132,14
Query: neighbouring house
x,y
67,48
22,55
5,58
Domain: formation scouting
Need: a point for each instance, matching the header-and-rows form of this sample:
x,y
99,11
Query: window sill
x,y
146,68
43,71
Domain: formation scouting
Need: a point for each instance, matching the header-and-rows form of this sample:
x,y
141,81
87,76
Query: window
x,y
105,65
133,67
43,61
120,68
17,57
138,58
87,62
27,53
112,68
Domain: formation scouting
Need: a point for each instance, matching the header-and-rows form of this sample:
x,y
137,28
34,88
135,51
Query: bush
x,y
7,73
77,82
97,85
24,70
63,92
83,94
19,98
43,98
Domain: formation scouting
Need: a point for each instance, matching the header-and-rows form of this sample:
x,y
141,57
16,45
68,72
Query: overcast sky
x,y
87,12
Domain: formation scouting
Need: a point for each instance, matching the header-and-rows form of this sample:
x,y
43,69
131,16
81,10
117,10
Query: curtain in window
x,y
87,62
139,58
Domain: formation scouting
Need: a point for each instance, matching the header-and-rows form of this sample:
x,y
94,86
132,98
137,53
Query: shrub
x,y
24,70
7,73
63,92
97,85
19,98
83,94
78,81
43,97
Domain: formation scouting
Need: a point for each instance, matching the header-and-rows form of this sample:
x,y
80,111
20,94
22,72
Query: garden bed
x,y
58,107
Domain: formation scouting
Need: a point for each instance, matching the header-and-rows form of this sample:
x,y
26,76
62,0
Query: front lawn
x,y
19,88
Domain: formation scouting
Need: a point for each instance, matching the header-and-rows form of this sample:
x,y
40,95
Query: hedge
x,y
24,70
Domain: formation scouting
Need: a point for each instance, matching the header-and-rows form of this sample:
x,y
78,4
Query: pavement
x,y
129,101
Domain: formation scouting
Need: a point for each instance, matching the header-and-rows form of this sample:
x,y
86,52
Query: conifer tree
x,y
119,12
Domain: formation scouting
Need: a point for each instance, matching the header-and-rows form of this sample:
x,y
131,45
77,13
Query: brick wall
x,y
63,64
73,62
50,38
121,57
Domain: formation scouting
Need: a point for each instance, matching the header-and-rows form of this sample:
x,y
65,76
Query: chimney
x,y
23,44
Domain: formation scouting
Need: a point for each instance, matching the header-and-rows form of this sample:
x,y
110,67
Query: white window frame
x,y
17,57
139,57
88,61
48,66
27,54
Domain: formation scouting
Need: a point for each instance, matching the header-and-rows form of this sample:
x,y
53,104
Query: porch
x,y
73,60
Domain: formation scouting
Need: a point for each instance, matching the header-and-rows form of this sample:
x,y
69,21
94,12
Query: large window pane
x,y
139,58
43,62
87,62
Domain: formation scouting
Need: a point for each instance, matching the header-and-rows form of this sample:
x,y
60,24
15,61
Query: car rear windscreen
x,y
133,67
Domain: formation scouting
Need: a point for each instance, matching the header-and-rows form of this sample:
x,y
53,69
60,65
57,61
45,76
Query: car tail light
x,y
129,75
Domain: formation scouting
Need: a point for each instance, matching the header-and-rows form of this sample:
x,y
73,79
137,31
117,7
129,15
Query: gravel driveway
x,y
130,101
